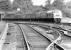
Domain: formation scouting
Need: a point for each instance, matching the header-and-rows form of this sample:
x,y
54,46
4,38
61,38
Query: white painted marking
x,y
2,40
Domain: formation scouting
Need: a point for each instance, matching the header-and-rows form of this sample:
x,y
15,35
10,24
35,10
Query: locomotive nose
x,y
2,14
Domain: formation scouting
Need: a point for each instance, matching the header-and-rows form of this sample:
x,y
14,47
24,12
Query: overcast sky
x,y
39,2
66,1
43,2
11,1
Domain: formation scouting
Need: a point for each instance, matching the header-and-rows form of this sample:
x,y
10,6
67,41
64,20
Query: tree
x,y
65,8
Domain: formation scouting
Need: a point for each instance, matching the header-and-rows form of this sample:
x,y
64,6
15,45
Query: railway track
x,y
35,40
52,45
64,38
24,37
54,37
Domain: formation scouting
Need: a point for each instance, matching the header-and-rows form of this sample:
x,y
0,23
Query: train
x,y
48,17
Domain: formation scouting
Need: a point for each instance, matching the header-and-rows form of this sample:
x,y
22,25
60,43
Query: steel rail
x,y
40,33
41,24
59,29
25,38
53,42
59,38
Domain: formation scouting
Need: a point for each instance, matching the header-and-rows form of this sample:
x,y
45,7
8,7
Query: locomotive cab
x,y
57,15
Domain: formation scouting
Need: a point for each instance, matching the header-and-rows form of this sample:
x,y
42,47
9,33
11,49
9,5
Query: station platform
x,y
66,20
